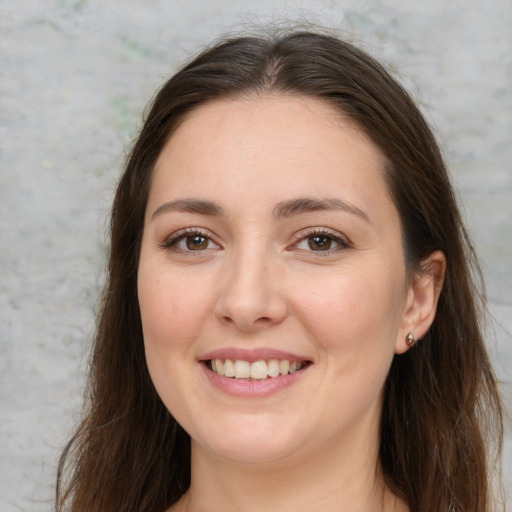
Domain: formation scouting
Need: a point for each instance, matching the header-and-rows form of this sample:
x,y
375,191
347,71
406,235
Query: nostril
x,y
250,305
226,319
248,324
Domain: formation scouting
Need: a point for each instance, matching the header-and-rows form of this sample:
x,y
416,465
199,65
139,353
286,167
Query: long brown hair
x,y
441,406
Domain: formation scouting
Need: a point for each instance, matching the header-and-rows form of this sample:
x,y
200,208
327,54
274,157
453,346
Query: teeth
x,y
273,368
242,369
258,370
229,368
284,367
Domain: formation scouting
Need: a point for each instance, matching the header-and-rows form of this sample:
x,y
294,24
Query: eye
x,y
195,242
188,241
321,241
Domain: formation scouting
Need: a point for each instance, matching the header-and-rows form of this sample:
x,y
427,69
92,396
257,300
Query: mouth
x,y
255,370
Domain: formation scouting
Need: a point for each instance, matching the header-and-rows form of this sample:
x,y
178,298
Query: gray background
x,y
75,77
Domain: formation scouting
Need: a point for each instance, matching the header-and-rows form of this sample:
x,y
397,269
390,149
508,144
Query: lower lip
x,y
253,388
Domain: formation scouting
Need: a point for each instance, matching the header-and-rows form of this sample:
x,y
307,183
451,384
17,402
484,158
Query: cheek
x,y
173,310
173,313
353,311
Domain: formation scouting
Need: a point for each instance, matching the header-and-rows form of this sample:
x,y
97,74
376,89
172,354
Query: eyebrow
x,y
283,209
190,205
311,204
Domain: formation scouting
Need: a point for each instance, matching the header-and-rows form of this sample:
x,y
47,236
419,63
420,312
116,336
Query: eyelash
x,y
342,242
172,242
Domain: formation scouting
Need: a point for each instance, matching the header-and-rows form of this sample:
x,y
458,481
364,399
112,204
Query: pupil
x,y
320,242
196,242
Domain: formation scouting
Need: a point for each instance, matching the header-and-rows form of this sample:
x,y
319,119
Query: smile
x,y
256,370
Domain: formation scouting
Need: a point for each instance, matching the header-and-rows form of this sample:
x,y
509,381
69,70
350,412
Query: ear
x,y
421,300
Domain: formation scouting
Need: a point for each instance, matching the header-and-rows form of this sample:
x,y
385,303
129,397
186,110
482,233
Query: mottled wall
x,y
75,76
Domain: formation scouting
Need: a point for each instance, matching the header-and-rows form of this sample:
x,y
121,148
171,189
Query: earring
x,y
410,339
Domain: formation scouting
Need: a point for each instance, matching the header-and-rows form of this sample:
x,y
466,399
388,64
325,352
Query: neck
x,y
346,479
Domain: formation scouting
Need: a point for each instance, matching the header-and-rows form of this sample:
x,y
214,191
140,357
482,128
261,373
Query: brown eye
x,y
196,242
188,241
320,242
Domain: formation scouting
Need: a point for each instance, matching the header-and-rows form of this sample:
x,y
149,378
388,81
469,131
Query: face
x,y
272,283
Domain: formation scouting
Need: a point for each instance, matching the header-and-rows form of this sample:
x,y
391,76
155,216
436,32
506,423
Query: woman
x,y
290,318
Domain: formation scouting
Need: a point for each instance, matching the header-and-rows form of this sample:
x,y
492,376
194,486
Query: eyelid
x,y
342,240
170,241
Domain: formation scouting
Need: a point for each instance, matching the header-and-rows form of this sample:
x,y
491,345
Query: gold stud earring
x,y
411,339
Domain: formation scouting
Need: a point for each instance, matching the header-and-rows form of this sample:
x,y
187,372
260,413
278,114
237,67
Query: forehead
x,y
276,146
277,110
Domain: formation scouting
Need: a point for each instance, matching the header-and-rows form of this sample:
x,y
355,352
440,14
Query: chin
x,y
250,443
251,453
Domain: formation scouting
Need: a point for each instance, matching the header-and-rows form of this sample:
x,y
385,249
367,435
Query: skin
x,y
256,282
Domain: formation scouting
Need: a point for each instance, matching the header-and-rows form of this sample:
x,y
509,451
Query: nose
x,y
251,298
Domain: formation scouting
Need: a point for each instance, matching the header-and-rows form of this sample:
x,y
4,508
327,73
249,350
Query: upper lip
x,y
251,355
